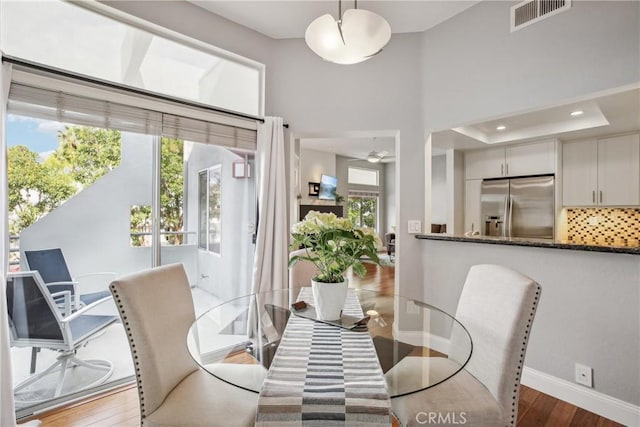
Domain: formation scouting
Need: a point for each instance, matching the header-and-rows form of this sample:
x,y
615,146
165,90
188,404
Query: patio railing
x,y
187,239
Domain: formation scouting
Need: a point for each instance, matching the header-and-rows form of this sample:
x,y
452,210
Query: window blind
x,y
357,193
207,132
64,107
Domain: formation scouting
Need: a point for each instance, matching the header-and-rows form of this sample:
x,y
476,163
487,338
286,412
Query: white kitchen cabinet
x,y
530,159
604,172
579,173
619,171
485,163
514,160
472,219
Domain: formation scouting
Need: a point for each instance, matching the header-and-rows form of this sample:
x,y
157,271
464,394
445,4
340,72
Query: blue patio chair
x,y
51,265
36,321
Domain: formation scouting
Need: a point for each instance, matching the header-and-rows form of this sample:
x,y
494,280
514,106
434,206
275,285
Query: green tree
x,y
88,153
171,196
35,187
362,211
85,154
172,187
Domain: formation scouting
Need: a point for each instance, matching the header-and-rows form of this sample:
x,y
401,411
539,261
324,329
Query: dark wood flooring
x,y
121,407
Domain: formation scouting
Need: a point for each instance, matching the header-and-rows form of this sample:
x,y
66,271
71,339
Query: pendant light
x,y
356,36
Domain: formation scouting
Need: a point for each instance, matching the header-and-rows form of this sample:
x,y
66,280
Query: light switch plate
x,y
414,227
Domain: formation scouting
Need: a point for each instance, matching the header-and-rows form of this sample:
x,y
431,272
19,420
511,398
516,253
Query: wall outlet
x,y
414,227
584,375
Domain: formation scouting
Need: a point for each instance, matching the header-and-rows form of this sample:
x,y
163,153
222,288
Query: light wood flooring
x,y
121,407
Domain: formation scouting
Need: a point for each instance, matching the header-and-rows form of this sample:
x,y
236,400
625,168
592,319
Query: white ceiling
x,y
352,147
602,115
289,19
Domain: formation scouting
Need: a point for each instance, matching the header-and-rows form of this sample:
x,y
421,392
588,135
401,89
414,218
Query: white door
x,y
619,171
579,173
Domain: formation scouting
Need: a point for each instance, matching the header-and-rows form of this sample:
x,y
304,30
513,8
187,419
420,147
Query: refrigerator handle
x,y
505,223
510,214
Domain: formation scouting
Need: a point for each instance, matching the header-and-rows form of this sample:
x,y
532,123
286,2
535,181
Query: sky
x,y
38,135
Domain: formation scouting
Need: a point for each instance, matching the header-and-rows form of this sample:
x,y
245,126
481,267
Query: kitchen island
x,y
538,243
589,312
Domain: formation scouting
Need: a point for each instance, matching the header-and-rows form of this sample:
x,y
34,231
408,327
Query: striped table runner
x,y
323,375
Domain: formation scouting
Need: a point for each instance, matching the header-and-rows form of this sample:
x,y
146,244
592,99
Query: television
x,y
328,185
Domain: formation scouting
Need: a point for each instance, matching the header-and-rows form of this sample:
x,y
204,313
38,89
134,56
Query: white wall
x,y
390,202
312,165
439,190
228,274
474,68
588,311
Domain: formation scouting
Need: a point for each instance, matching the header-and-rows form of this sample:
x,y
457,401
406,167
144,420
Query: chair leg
x,y
63,363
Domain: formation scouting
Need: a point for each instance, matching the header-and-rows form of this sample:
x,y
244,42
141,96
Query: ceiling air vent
x,y
532,11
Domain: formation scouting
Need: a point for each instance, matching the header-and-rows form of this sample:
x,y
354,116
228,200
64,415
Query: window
x,y
84,42
363,209
360,176
209,202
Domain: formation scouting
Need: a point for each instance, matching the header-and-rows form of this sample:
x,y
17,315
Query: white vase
x,y
329,299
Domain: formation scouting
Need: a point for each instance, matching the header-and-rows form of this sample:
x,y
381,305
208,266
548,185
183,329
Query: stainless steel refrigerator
x,y
519,207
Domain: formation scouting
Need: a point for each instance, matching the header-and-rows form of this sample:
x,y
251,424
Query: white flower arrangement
x,y
333,245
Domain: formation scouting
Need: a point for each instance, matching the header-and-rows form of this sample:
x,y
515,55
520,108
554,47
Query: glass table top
x,y
418,345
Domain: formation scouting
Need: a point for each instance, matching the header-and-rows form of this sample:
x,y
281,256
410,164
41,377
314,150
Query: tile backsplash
x,y
604,226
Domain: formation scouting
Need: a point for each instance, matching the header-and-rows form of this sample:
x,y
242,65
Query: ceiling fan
x,y
373,156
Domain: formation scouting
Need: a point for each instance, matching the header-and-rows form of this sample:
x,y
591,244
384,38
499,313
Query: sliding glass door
x,y
121,200
71,188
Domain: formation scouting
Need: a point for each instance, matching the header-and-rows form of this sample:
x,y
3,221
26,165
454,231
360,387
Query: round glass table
x,y
417,345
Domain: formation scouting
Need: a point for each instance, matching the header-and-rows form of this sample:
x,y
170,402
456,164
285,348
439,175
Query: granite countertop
x,y
538,243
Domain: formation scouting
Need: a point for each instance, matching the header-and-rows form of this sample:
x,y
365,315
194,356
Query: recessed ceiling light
x,y
577,113
501,127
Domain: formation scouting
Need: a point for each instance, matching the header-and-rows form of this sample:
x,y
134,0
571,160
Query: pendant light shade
x,y
358,36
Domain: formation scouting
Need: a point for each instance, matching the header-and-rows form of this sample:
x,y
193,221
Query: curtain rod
x,y
111,85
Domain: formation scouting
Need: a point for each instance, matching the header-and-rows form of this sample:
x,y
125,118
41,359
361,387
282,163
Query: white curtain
x,y
270,268
7,408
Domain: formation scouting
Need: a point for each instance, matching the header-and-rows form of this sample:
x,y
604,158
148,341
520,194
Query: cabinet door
x,y
619,171
579,173
531,159
472,204
486,163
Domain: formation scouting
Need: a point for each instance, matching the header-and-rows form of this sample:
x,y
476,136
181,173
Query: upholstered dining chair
x,y
157,311
497,306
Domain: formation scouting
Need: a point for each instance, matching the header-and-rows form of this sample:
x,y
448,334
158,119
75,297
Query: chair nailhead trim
x,y
514,404
132,344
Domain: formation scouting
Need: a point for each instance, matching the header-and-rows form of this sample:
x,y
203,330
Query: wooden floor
x,y
121,407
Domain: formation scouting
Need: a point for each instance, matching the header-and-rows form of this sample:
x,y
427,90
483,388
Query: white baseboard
x,y
583,397
586,398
